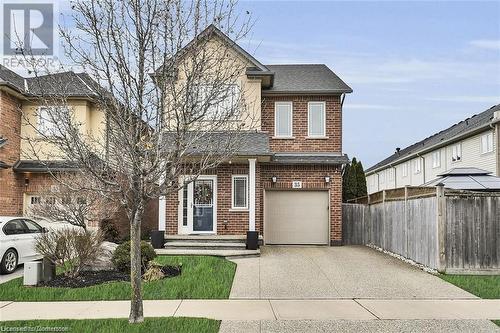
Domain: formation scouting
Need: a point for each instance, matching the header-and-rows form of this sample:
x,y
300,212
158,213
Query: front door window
x,y
203,205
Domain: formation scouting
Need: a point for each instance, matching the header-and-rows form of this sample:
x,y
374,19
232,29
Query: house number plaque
x,y
296,184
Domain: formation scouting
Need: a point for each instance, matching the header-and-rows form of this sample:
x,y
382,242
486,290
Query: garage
x,y
296,217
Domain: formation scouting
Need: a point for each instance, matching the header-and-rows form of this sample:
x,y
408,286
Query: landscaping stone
x,y
103,262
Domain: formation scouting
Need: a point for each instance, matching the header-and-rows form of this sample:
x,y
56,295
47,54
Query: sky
x,y
415,67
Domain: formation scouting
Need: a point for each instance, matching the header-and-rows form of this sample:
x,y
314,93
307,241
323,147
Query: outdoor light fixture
x,y
274,179
26,182
327,179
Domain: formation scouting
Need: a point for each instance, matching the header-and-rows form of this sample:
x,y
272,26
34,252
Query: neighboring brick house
x,y
22,176
287,181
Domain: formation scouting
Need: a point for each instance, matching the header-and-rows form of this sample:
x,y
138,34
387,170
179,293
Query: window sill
x,y
283,137
317,137
238,209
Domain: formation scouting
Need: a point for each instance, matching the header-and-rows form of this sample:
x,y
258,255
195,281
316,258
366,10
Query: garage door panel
x,y
296,217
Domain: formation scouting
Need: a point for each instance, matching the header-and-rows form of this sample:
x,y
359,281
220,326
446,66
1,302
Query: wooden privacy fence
x,y
451,231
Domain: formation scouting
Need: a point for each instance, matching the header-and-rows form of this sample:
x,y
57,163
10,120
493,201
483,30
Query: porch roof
x,y
43,166
309,158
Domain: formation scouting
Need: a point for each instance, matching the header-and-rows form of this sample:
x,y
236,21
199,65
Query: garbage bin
x,y
48,269
157,239
252,240
33,272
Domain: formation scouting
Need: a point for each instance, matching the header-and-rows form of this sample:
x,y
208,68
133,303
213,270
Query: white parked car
x,y
52,225
17,242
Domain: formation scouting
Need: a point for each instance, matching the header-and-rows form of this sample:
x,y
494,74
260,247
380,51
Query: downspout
x,y
423,165
495,125
395,181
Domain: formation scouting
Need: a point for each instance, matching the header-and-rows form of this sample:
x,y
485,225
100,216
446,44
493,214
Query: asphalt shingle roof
x,y
9,77
306,78
469,124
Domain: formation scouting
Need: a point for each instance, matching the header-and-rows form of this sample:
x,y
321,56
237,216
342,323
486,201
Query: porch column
x,y
162,213
251,199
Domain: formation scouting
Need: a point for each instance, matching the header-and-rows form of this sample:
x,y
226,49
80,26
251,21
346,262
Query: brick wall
x,y
312,177
11,185
333,143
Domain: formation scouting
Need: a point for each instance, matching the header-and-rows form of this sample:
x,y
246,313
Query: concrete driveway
x,y
303,272
17,273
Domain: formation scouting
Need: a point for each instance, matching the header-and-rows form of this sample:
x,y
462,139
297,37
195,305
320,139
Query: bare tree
x,y
72,201
170,87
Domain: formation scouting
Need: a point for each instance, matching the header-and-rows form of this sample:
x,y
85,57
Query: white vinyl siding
x,y
316,119
283,119
239,192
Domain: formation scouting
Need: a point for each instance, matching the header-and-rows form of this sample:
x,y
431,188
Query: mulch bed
x,y
92,278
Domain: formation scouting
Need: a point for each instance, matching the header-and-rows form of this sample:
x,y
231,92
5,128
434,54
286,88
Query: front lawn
x,y
202,277
484,286
177,325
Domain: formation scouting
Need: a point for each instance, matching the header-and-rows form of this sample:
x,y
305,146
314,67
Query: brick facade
x,y
11,184
300,142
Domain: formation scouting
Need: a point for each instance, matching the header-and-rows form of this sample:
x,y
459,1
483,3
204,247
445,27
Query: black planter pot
x,y
157,239
252,240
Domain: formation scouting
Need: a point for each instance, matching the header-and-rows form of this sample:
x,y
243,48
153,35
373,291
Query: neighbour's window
x,y
51,200
316,119
382,176
283,119
405,169
391,173
240,192
487,143
35,200
436,159
32,227
418,165
47,123
14,227
456,152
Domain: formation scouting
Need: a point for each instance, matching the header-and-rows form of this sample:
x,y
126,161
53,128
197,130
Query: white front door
x,y
198,206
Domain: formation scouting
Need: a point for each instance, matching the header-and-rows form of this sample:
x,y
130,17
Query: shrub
x,y
153,273
109,231
70,248
121,256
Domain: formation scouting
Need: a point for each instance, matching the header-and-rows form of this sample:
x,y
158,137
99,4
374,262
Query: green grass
x,y
202,277
497,322
177,325
484,286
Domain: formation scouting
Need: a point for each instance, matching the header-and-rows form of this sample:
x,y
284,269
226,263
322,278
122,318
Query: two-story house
x,y
286,181
471,143
23,175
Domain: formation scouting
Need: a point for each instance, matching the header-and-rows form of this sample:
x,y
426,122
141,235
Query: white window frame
x,y
382,176
391,173
436,159
486,138
233,178
323,104
417,166
456,152
215,109
44,126
405,169
276,135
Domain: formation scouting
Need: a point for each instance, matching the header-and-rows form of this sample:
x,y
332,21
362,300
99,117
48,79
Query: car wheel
x,y
9,262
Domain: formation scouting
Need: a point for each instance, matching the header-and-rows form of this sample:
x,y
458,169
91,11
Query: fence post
x,y
441,228
405,231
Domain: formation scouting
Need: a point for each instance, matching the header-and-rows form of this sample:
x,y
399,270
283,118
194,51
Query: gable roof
x,y
455,132
306,78
8,77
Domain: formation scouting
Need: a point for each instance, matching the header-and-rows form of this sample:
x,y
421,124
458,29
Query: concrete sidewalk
x,y
261,310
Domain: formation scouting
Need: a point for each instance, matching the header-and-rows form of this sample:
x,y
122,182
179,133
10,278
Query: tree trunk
x,y
136,309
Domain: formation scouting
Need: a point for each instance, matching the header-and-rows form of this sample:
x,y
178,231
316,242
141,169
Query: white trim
x,y
162,213
233,177
291,121
251,197
309,135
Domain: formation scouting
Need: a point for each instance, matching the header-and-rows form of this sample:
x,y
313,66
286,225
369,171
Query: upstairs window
x,y
391,174
47,119
382,176
217,102
405,169
240,192
487,143
316,119
456,152
418,165
283,119
436,159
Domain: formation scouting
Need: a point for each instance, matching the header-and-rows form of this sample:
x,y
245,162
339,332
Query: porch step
x,y
204,245
230,254
209,238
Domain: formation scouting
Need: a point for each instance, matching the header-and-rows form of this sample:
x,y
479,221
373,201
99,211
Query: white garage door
x,y
296,217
